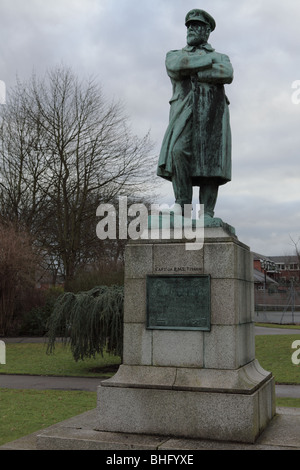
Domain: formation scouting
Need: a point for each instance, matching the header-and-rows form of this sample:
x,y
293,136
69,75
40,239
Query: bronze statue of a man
x,y
196,150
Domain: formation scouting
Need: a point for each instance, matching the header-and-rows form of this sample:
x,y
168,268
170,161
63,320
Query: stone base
x,y
226,405
187,382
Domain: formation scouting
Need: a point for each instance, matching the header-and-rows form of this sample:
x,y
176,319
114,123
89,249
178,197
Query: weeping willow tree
x,y
90,322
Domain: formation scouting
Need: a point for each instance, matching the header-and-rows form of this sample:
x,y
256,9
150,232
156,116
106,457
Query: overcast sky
x,y
124,42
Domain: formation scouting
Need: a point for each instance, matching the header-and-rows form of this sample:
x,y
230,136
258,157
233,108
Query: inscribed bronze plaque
x,y
178,302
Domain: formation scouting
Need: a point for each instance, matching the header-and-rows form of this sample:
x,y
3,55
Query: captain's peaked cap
x,y
201,16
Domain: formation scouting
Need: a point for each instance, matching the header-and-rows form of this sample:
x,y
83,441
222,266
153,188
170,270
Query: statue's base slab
x,y
188,403
171,220
191,372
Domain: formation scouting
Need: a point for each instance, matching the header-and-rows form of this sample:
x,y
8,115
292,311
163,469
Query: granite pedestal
x,y
190,382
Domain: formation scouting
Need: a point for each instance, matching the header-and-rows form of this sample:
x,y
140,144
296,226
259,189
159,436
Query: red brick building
x,y
284,270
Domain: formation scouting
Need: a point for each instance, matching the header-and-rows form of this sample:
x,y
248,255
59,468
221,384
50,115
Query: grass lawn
x,y
31,358
23,412
274,353
288,402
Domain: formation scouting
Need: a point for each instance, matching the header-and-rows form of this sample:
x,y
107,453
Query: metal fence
x,y
289,299
278,307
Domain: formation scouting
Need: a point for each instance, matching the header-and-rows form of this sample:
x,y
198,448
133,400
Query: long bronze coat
x,y
198,77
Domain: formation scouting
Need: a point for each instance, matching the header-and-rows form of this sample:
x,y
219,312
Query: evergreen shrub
x,y
90,322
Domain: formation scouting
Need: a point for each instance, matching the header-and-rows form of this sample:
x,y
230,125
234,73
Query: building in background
x,y
276,282
281,269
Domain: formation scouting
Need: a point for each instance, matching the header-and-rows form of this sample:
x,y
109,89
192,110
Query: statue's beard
x,y
195,40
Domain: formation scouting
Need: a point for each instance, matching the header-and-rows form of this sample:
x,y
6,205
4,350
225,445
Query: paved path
x,y
280,317
287,391
37,382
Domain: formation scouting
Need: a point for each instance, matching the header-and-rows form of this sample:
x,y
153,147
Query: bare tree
x,y
297,253
64,149
18,261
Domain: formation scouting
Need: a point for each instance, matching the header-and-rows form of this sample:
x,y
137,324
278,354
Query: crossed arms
x,y
210,67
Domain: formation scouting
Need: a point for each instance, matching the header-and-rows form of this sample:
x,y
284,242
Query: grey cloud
x,y
124,42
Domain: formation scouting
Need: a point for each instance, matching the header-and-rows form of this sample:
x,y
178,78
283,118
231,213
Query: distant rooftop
x,y
276,259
